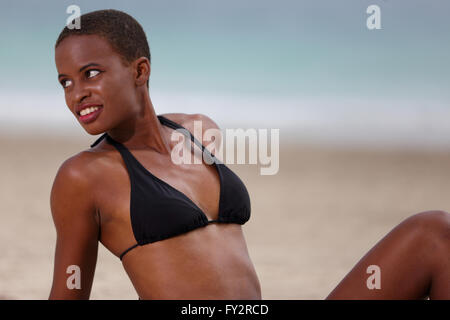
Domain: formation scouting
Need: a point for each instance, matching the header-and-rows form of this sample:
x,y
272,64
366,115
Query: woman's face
x,y
99,87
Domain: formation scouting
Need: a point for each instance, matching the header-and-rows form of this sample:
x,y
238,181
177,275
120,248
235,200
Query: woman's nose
x,y
80,92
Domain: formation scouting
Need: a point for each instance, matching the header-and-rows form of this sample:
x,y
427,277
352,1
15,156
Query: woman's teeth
x,y
88,110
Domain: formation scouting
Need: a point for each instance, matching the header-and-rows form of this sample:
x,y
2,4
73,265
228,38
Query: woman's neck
x,y
143,130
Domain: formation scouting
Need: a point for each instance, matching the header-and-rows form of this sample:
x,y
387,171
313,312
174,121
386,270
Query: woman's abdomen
x,y
207,263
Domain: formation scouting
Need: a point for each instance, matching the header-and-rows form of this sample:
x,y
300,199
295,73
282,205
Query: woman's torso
x,y
210,262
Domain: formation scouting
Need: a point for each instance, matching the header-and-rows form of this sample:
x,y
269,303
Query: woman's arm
x,y
77,229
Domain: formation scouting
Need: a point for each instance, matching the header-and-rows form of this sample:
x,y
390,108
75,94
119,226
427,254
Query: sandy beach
x,y
310,223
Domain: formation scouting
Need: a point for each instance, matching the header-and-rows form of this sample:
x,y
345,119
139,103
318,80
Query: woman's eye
x,y
66,83
92,73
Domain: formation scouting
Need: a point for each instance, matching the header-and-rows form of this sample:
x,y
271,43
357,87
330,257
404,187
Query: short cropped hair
x,y
122,31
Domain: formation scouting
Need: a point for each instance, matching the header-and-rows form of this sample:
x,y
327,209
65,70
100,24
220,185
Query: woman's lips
x,y
91,117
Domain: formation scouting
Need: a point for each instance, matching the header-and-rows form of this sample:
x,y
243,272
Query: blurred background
x,y
363,118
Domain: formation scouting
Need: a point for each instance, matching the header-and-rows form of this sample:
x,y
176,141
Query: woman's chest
x,y
117,188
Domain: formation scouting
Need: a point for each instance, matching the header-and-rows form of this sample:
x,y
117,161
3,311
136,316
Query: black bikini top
x,y
159,211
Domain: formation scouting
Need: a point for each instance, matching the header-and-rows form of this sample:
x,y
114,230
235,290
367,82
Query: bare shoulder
x,y
80,166
72,168
74,180
70,183
188,122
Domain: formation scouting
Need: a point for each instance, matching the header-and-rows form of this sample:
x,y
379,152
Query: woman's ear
x,y
142,71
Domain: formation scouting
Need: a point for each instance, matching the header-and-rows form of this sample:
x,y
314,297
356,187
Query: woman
x,y
176,227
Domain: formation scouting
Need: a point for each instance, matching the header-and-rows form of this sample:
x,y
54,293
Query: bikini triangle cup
x,y
177,213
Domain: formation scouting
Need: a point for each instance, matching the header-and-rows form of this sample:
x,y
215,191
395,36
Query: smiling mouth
x,y
89,114
88,110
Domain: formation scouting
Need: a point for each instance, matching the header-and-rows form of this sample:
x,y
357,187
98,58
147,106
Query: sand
x,y
310,223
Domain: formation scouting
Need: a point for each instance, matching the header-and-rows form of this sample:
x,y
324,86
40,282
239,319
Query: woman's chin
x,y
93,131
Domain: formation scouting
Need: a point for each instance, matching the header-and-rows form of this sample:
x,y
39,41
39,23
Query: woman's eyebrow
x,y
82,68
